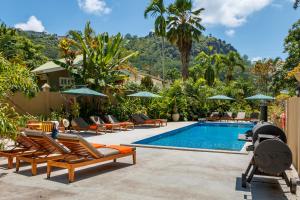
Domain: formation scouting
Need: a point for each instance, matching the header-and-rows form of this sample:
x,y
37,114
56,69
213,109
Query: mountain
x,y
48,41
149,48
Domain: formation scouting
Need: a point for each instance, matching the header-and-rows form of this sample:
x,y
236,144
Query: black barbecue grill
x,y
271,155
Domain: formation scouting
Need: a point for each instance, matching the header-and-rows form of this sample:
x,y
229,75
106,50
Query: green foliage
x,y
49,42
147,83
209,75
13,77
104,63
19,49
291,46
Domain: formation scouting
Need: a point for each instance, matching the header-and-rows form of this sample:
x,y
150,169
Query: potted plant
x,y
175,115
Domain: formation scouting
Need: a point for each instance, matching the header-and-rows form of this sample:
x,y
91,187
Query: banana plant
x,y
104,61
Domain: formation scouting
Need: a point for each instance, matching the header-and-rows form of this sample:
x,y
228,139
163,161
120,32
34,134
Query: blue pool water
x,y
218,136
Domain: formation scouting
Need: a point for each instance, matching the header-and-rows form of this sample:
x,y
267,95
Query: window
x,y
66,81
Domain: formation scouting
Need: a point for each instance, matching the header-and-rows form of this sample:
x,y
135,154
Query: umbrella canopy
x,y
83,92
220,97
144,94
260,97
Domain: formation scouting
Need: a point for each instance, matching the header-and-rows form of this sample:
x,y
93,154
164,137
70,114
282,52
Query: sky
x,y
256,28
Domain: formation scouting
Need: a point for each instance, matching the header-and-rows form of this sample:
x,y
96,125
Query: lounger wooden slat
x,y
49,150
82,154
23,146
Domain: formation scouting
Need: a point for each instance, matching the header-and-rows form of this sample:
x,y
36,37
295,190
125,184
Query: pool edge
x,y
187,149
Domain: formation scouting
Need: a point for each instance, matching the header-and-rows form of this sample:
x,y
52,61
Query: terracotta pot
x,y
175,117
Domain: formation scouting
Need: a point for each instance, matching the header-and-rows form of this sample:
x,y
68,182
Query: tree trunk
x,y
185,65
163,60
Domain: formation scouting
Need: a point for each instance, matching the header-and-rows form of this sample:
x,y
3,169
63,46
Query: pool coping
x,y
242,152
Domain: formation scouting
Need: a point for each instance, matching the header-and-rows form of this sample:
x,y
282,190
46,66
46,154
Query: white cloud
x,y
230,32
255,59
229,13
97,7
33,24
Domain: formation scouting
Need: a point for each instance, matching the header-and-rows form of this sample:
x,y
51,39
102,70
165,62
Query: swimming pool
x,y
214,136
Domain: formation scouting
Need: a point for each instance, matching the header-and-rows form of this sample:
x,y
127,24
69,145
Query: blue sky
x,y
256,28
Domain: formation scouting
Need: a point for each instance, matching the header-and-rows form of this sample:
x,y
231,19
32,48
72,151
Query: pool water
x,y
217,136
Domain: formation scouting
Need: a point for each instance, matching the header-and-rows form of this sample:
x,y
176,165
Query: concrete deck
x,y
158,174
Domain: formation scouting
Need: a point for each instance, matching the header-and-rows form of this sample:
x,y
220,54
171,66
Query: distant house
x,y
58,77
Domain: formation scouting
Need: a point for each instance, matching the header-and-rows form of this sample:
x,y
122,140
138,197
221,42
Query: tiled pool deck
x,y
158,174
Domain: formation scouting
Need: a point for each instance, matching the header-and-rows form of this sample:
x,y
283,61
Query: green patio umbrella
x,y
83,92
144,94
260,97
220,97
263,105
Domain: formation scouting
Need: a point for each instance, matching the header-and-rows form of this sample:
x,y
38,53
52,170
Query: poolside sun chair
x,y
254,117
240,116
138,120
82,153
106,126
215,116
227,116
111,119
162,121
79,124
48,149
23,146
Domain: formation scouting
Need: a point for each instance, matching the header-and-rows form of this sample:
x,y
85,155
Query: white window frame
x,y
66,81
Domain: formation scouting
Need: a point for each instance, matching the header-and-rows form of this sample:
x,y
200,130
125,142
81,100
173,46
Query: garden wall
x,y
293,129
41,104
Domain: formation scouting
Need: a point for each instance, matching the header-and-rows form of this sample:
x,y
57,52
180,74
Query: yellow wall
x,y
38,105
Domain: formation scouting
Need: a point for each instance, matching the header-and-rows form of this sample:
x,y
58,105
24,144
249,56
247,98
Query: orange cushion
x,y
122,149
97,145
93,127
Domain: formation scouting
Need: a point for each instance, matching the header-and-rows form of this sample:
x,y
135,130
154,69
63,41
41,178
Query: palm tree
x,y
184,26
231,61
157,9
296,4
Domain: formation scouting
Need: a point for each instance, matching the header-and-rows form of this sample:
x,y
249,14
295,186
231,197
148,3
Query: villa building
x,y
58,77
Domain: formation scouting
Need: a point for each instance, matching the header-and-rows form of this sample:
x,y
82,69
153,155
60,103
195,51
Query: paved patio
x,y
158,174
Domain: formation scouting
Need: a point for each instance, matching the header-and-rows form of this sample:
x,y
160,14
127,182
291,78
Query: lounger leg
x,y
115,160
134,157
17,164
71,174
10,162
49,169
33,168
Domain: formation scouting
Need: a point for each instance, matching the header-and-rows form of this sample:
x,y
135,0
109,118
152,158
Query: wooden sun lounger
x,y
138,120
23,146
49,149
114,120
99,122
213,117
82,153
161,121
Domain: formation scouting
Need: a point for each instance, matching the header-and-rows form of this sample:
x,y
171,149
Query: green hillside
x,y
149,47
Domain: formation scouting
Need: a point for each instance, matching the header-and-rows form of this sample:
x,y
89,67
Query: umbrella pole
x,y
264,112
